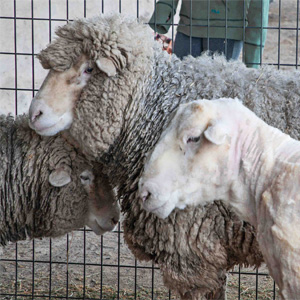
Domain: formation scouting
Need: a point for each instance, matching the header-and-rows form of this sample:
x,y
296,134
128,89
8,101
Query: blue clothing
x,y
232,48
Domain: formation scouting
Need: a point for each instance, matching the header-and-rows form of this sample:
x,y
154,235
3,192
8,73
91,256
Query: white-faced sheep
x,y
117,119
221,150
47,188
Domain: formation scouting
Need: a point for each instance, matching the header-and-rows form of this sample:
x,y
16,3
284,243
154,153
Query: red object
x,y
165,41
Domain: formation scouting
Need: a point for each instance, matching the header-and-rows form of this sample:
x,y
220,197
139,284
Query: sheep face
x,y
104,210
99,209
51,110
190,163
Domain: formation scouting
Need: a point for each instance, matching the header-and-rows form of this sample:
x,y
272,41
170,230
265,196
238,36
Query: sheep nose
x,y
114,221
145,195
35,115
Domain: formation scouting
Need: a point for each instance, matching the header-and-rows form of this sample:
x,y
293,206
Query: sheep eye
x,y
84,178
193,139
88,70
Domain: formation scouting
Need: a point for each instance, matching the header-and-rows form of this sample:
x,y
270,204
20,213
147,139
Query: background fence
x,y
81,265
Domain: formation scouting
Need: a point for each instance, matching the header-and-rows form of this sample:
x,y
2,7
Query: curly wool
x,y
126,115
96,37
29,206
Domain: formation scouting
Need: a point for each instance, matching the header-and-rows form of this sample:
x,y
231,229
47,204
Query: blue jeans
x,y
232,48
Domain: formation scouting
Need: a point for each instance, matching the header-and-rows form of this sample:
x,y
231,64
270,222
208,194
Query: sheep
x,y
219,149
47,188
117,118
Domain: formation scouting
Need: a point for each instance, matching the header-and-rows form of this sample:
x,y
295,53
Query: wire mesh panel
x,y
81,265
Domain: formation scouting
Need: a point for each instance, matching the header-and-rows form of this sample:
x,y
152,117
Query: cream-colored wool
x,y
118,119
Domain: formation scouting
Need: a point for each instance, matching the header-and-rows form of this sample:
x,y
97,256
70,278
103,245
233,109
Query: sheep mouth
x,y
41,130
158,210
98,229
61,123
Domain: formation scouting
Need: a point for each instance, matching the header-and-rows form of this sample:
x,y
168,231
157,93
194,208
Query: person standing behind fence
x,y
229,25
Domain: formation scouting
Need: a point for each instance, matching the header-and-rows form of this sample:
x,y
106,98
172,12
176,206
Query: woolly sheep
x,y
117,119
219,149
47,188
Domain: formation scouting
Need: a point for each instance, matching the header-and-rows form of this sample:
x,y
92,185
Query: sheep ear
x,y
216,133
106,66
59,177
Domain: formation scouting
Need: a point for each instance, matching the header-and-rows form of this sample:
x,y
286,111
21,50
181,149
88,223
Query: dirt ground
x,y
71,266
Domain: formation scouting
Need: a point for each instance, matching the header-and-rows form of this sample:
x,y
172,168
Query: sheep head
x,y
83,49
191,162
103,211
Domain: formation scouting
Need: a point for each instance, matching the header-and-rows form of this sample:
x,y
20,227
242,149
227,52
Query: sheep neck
x,y
145,118
273,189
262,155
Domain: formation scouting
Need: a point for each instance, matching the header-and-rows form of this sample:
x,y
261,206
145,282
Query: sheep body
x,y
219,149
30,206
127,113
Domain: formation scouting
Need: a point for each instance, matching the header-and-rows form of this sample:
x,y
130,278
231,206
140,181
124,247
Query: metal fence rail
x,y
80,266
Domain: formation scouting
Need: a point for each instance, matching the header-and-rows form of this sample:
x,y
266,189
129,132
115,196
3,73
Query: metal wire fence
x,y
80,265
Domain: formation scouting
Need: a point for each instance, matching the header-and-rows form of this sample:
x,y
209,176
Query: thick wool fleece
x,y
29,206
126,115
